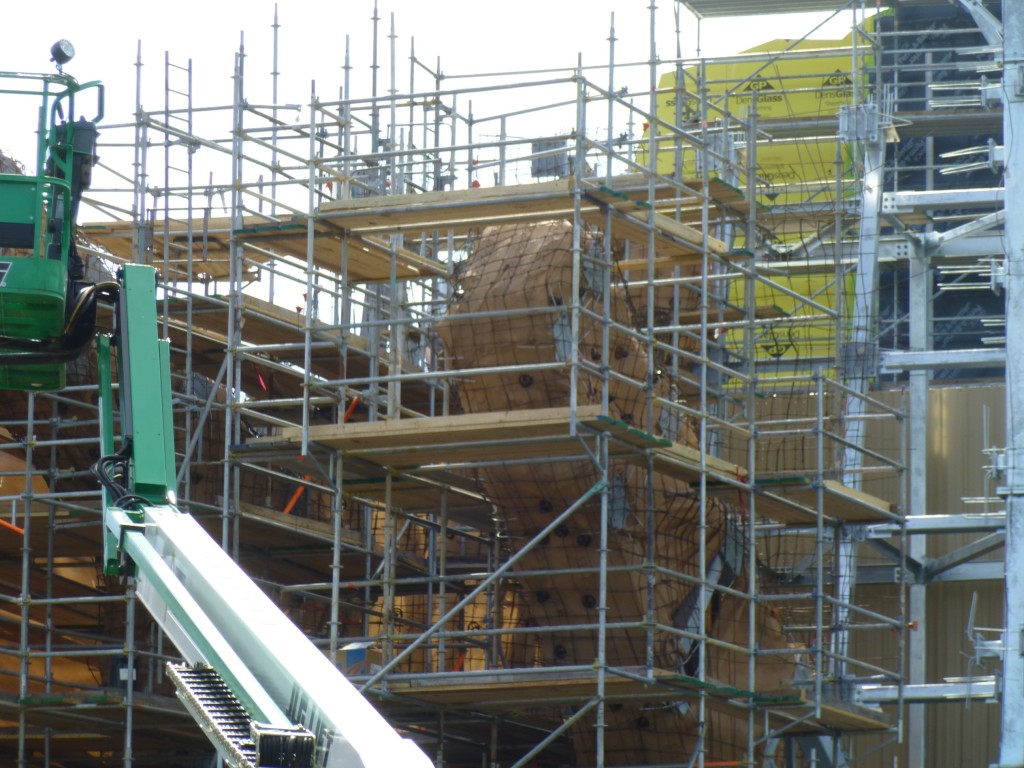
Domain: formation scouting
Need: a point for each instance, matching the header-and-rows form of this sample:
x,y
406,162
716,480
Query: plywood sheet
x,y
447,439
551,686
476,208
506,435
451,210
548,687
368,259
795,500
673,240
836,715
262,322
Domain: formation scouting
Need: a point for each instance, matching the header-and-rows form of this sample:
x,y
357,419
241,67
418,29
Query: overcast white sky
x,y
467,35
463,36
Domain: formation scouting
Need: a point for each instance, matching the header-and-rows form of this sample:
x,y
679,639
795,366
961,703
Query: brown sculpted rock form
x,y
513,310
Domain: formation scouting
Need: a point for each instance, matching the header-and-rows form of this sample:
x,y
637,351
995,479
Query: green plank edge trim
x,y
660,442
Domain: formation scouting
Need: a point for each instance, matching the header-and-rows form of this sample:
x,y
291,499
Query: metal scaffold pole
x,y
234,319
1011,745
920,338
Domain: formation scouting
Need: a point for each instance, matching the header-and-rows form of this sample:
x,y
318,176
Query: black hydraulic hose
x,y
120,459
79,329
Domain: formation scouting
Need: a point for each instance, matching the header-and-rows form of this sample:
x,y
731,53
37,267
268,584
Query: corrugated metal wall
x,y
960,418
958,735
962,422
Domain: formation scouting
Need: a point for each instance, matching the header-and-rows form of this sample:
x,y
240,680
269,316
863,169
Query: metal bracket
x,y
997,274
618,504
593,270
1004,467
861,360
670,424
562,331
860,123
996,156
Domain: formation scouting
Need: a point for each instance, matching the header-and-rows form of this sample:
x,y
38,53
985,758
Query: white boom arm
x,y
216,615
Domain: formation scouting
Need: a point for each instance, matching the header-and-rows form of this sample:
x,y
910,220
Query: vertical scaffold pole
x,y
1011,744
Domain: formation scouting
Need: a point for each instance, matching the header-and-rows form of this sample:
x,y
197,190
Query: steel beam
x,y
975,246
895,203
989,25
1011,742
896,360
988,570
952,690
927,524
934,240
964,554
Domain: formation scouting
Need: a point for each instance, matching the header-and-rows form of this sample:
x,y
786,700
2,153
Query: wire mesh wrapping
x,y
513,306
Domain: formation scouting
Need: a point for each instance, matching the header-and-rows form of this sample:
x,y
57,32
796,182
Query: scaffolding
x,y
567,458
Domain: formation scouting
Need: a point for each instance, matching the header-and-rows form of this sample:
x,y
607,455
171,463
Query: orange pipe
x,y
14,528
298,491
295,497
349,410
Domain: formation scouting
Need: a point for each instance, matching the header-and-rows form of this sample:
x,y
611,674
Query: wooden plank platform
x,y
462,210
303,527
911,218
541,433
299,548
674,240
684,462
539,687
675,459
791,707
551,686
263,323
458,209
505,435
91,716
785,221
669,199
795,501
447,439
798,716
365,220
369,258
413,494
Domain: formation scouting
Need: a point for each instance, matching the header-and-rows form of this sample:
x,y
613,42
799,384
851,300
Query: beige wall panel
x,y
960,418
957,734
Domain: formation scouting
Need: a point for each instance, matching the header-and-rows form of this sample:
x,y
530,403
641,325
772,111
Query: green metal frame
x,y
144,362
144,366
37,225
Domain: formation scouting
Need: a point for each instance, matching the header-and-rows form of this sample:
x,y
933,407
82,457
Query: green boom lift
x,y
47,311
265,696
